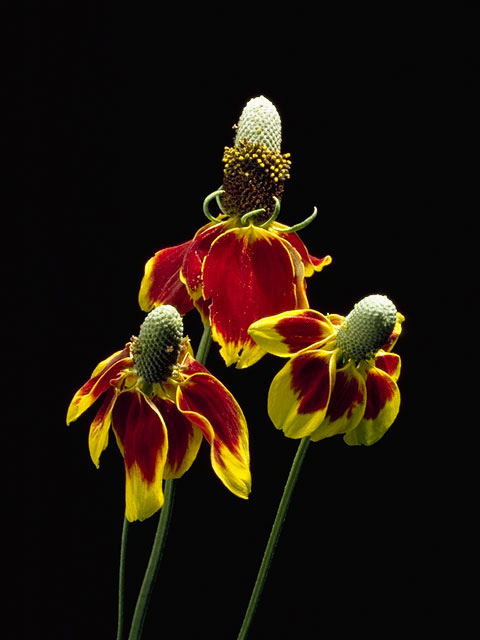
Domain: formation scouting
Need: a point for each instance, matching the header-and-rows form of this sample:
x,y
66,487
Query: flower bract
x,y
322,390
161,415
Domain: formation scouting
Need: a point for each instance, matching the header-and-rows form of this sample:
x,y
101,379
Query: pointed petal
x,y
142,437
183,439
191,272
99,429
209,405
248,274
104,373
311,263
161,282
346,406
383,404
390,363
289,332
300,392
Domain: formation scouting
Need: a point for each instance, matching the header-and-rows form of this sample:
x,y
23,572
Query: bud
x,y
156,350
254,168
367,328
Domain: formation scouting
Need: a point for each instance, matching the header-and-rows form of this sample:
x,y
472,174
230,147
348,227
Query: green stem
x,y
121,579
162,527
153,563
274,536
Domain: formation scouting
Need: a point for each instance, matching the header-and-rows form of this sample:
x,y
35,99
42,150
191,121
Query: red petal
x,y
381,389
100,381
312,380
248,274
161,283
183,439
191,272
140,432
311,263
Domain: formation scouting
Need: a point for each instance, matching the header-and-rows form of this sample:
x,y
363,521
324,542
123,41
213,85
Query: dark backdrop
x,y
127,118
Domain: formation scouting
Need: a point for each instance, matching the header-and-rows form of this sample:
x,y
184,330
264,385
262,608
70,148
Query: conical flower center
x,y
156,350
366,328
255,170
260,122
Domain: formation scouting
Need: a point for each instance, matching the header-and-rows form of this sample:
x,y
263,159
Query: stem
x,y
204,346
162,527
153,563
274,536
121,579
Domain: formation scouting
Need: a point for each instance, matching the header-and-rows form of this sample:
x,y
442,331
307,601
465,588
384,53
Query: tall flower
x,y
160,403
341,375
243,265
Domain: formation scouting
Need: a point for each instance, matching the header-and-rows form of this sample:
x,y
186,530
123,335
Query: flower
x,y
243,265
160,402
341,375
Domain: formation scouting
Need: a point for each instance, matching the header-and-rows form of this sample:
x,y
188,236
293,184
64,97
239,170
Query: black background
x,y
127,116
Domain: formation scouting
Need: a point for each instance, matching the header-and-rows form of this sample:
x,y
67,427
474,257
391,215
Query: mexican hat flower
x,y
242,265
161,403
341,375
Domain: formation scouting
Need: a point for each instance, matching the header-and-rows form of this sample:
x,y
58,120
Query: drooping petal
x,y
311,263
209,405
289,332
161,282
142,437
183,439
99,429
300,392
248,274
389,362
381,409
103,374
191,271
346,406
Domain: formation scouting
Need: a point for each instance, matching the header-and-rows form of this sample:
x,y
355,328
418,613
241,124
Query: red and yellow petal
x,y
183,439
248,274
212,408
290,332
161,282
100,427
191,271
142,438
381,409
103,374
388,362
300,392
347,403
311,263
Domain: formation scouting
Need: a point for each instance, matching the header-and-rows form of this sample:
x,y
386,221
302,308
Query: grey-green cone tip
x,y
260,122
156,350
367,327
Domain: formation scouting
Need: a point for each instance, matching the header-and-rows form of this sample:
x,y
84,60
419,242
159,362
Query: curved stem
x,y
153,563
274,215
162,527
274,536
121,579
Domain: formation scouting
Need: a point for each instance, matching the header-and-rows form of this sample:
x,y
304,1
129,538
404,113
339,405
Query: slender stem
x,y
121,579
162,527
204,346
153,563
274,536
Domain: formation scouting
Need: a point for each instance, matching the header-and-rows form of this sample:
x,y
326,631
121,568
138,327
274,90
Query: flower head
x,y
341,375
160,403
243,265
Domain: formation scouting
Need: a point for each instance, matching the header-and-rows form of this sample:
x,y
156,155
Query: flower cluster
x,y
245,273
